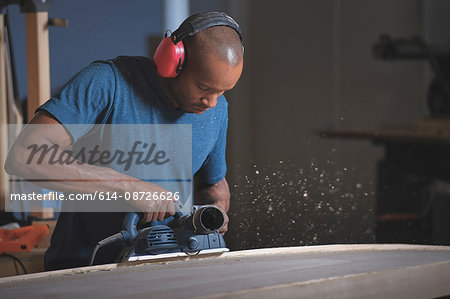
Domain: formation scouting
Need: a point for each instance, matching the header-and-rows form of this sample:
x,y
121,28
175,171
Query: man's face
x,y
202,82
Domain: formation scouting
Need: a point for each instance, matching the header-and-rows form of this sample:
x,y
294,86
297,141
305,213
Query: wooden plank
x,y
410,282
427,130
392,134
38,71
4,184
349,271
38,60
320,249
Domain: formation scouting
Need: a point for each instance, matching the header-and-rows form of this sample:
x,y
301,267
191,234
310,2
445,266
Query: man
x,y
131,90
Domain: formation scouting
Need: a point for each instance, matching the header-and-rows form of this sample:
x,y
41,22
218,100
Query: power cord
x,y
123,235
128,234
16,260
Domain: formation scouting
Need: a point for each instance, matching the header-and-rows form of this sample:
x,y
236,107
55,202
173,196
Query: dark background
x,y
308,66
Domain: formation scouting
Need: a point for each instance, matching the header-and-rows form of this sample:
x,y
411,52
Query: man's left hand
x,y
217,194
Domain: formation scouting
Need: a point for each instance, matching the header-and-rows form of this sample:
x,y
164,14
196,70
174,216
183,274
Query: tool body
x,y
186,234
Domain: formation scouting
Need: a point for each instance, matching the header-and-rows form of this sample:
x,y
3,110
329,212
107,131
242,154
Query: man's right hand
x,y
160,210
154,209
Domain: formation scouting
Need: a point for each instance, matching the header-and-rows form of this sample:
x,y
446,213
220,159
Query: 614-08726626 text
x,y
102,196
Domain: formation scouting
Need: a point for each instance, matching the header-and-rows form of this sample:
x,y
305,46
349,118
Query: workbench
x,y
328,271
412,180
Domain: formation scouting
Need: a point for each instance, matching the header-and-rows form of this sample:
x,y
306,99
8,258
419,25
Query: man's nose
x,y
210,101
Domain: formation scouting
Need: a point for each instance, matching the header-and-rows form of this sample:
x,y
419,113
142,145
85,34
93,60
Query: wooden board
x,y
38,73
38,60
4,184
428,130
337,271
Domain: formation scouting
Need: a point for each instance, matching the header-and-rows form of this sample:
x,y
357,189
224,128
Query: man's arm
x,y
217,194
93,178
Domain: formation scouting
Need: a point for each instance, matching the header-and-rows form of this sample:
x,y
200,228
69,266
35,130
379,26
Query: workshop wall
x,y
309,66
97,30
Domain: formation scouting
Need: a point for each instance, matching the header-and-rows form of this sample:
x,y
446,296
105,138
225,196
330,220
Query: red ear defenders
x,y
170,55
169,58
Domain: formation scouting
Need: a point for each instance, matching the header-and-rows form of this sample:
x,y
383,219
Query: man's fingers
x,y
147,217
164,212
224,229
161,214
159,211
170,209
155,216
163,208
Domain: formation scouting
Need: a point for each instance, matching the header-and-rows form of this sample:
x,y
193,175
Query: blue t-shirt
x,y
125,90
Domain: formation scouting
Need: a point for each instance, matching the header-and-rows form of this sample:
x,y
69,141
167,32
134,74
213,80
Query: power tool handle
x,y
178,215
129,226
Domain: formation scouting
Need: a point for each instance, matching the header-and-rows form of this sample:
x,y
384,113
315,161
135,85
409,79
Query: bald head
x,y
214,62
221,41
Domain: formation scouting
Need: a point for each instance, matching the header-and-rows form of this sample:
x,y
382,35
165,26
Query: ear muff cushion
x,y
169,58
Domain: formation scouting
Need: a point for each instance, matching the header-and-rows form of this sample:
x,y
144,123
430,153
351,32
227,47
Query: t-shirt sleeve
x,y
214,168
86,99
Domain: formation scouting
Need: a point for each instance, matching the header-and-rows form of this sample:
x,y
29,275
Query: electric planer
x,y
187,234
